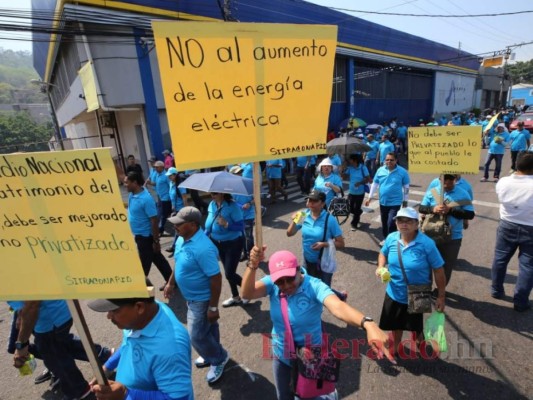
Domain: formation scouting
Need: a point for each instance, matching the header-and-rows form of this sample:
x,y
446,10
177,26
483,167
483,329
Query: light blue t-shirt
x,y
313,231
357,175
273,169
241,200
391,185
162,186
177,200
496,148
320,184
461,183
301,161
141,207
231,212
419,258
247,170
401,132
373,152
457,194
52,314
304,310
385,148
196,261
518,139
157,358
337,162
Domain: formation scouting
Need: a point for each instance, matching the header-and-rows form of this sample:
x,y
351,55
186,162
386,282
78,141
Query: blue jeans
x,y
509,237
205,337
497,168
387,219
230,255
282,380
56,348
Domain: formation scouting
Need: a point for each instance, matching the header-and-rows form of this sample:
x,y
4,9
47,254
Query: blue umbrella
x,y
219,182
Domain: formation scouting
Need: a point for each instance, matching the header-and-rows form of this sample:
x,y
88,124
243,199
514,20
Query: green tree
x,y
521,72
18,132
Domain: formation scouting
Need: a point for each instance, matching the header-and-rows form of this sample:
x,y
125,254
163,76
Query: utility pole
x,y
506,56
45,88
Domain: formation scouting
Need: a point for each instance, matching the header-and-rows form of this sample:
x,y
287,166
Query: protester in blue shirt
x,y
176,197
246,202
359,176
162,187
305,298
370,156
456,207
225,225
197,274
385,147
319,228
392,181
142,217
420,258
496,152
401,134
154,359
326,181
519,140
274,174
50,322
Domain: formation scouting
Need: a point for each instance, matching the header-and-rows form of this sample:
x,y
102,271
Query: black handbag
x,y
418,296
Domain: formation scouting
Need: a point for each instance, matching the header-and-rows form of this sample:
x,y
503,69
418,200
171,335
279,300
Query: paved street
x,y
489,353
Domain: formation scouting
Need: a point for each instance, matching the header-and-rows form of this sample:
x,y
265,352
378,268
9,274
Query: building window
x,y
339,80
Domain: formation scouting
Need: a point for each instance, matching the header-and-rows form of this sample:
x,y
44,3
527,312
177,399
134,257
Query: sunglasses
x,y
285,281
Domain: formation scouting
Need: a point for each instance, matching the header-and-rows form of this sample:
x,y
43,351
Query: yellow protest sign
x,y
64,231
444,149
238,92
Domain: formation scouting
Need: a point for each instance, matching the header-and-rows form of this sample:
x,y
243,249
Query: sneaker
x,y
201,363
215,371
245,302
497,295
44,376
232,301
483,180
382,243
353,228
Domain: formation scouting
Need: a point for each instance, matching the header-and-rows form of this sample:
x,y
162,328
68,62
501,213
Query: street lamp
x,y
44,88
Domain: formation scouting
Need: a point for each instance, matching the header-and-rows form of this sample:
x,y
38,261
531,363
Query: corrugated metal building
x,y
379,72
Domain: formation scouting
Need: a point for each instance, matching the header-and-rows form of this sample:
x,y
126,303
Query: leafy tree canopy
x,y
521,72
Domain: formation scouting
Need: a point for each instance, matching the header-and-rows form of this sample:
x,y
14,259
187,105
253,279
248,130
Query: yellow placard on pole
x,y
444,149
88,83
64,231
239,92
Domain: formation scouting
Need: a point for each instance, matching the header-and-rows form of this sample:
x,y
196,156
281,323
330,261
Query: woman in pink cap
x,y
306,296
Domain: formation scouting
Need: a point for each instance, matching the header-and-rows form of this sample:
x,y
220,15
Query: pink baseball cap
x,y
281,264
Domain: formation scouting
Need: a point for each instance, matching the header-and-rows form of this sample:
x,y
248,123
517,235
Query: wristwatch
x,y
213,309
365,319
21,345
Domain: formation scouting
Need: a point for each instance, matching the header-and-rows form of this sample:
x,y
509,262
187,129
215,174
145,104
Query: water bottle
x,y
384,274
299,217
28,367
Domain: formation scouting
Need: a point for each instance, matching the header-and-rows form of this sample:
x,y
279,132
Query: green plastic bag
x,y
434,330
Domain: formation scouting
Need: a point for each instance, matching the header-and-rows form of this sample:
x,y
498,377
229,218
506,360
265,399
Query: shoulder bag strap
x,y
401,262
289,340
324,237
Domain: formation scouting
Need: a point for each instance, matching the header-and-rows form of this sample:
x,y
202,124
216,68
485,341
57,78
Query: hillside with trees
x,y
18,130
521,72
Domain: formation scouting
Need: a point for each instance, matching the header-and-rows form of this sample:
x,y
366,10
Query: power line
x,y
431,15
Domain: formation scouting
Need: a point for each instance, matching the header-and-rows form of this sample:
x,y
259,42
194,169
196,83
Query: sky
x,y
476,35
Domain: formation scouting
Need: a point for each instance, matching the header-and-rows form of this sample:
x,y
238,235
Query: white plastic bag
x,y
328,262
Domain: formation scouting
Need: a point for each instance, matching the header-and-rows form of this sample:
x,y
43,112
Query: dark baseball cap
x,y
316,195
106,305
186,214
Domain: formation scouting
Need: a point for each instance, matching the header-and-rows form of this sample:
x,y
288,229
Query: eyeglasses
x,y
285,281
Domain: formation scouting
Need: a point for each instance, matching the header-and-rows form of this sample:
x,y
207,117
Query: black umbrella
x,y
347,145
